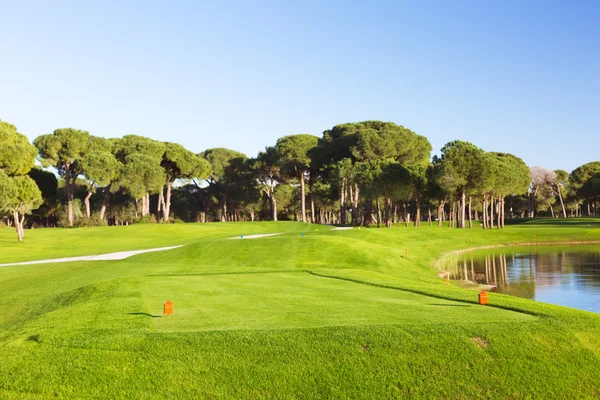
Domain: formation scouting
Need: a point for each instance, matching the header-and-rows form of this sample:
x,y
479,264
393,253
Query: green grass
x,y
332,314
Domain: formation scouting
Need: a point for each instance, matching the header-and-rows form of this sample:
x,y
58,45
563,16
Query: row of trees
x,y
362,173
560,193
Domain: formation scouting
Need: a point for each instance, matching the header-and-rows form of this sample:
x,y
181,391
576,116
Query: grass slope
x,y
331,314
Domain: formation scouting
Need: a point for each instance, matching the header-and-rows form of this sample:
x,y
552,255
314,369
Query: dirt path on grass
x,y
121,255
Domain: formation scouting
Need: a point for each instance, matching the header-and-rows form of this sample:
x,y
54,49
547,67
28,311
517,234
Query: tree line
x,y
365,173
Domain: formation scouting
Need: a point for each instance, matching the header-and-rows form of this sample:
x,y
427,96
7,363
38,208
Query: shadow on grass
x,y
582,221
469,303
448,305
145,314
35,339
269,271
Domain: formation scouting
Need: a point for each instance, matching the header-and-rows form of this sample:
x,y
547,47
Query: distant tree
x,y
64,150
19,194
419,184
101,168
371,140
461,164
141,175
591,191
8,191
393,181
560,186
243,189
488,186
436,192
542,179
48,184
294,153
578,178
180,163
134,144
220,161
17,155
512,177
266,168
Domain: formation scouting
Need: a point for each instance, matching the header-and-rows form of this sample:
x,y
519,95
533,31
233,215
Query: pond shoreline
x,y
449,254
566,269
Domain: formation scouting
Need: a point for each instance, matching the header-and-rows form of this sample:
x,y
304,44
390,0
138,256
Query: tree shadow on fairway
x,y
145,314
585,221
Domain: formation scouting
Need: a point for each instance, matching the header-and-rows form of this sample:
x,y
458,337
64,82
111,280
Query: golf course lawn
x,y
310,313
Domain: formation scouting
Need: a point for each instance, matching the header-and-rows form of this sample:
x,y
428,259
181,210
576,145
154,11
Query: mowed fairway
x,y
298,300
331,314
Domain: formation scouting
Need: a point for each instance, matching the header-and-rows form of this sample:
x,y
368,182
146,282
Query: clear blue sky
x,y
514,76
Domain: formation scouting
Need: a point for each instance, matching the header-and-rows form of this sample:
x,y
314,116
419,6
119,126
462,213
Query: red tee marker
x,y
168,308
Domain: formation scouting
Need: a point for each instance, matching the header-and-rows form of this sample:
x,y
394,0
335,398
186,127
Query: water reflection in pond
x,y
567,275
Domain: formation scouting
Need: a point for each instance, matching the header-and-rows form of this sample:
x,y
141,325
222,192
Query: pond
x,y
568,275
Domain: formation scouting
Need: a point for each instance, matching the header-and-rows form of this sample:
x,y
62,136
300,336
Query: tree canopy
x,y
357,173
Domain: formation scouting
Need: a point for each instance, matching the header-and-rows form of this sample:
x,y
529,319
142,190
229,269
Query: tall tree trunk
x,y
429,215
272,201
484,212
223,201
378,211
21,223
503,212
302,194
368,215
551,210
105,201
144,205
530,204
312,209
161,203
17,225
562,204
354,199
492,212
70,193
440,212
388,205
352,208
136,203
343,202
470,213
274,207
463,204
499,212
418,213
167,205
88,211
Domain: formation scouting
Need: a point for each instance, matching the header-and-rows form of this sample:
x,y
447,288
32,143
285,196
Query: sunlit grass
x,y
331,314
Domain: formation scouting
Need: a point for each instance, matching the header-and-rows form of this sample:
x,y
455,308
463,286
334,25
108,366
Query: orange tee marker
x,y
483,298
168,308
